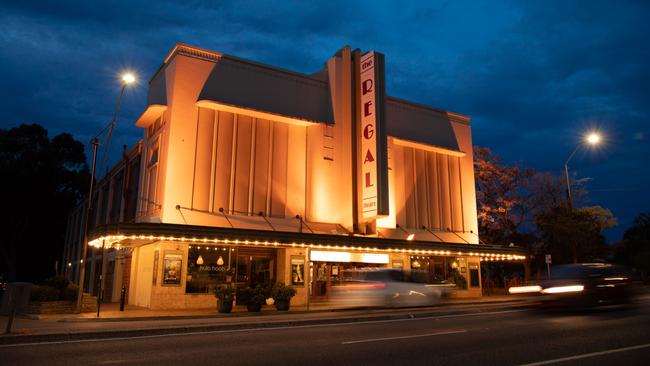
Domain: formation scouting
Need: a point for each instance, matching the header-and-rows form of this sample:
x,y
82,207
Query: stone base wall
x,y
174,300
50,307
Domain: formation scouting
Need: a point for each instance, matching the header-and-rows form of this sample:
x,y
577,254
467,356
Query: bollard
x,y
122,296
12,312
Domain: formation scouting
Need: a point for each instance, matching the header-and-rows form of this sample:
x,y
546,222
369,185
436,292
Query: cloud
x,y
532,76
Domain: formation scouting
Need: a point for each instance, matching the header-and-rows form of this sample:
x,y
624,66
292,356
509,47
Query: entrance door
x,y
253,270
108,282
261,272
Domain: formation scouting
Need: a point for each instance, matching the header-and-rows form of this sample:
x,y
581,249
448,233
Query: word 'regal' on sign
x,y
368,134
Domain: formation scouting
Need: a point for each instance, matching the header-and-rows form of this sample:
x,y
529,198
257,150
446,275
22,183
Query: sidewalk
x,y
140,321
110,312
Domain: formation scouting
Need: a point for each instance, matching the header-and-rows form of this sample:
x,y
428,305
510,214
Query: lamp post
x,y
126,79
592,139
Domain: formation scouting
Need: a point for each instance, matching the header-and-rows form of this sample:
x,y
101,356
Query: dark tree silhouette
x,y
41,180
634,250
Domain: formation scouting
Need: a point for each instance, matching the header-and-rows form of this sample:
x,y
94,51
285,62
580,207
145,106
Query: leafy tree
x,y
528,208
634,250
501,198
573,235
42,179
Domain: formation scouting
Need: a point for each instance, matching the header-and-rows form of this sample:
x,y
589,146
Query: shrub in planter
x,y
225,296
253,298
71,292
58,282
459,280
44,293
282,295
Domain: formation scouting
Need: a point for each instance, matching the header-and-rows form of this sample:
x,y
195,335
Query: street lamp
x,y
592,139
127,78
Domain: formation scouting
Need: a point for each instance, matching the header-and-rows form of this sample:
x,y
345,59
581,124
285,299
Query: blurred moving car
x,y
388,288
588,285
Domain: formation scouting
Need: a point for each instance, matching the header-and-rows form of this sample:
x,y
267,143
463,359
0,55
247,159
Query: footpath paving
x,y
137,322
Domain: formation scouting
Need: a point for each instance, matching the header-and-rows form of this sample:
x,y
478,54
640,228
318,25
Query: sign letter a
x,y
369,158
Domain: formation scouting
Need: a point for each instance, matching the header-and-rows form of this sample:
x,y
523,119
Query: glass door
x,y
253,270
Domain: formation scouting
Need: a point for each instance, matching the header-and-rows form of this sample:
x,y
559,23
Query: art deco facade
x,y
251,174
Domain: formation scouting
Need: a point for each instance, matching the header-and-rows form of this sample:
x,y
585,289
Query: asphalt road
x,y
497,337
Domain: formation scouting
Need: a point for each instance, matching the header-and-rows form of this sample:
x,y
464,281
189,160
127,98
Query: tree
x,y
574,234
42,179
501,198
528,208
634,250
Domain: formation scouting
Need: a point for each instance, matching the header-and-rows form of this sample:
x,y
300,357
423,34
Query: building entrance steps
x,y
145,322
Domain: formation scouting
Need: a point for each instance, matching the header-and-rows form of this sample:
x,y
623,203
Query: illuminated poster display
x,y
172,265
297,270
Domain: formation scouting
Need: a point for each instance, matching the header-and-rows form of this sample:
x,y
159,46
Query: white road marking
x,y
404,337
587,355
256,329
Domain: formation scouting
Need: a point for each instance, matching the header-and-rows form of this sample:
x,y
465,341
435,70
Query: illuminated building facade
x,y
250,174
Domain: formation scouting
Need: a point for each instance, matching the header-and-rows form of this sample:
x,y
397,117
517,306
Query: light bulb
x,y
220,261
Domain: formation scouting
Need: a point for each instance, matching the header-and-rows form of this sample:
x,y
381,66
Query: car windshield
x,y
392,275
585,271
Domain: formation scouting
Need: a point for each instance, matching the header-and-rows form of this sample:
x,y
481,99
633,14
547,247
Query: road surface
x,y
503,336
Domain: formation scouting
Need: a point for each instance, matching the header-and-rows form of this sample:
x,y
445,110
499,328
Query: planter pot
x,y
282,305
224,306
254,308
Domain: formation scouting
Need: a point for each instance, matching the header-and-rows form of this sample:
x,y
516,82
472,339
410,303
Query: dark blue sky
x,y
533,76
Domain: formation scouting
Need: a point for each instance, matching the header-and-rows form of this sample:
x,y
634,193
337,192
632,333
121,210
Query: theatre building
x,y
250,174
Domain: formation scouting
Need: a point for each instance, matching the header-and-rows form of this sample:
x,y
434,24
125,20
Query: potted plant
x,y
253,298
225,275
225,296
282,295
459,280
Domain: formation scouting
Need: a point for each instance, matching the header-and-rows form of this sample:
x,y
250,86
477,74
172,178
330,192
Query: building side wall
x,y
329,152
247,165
179,151
467,186
213,159
432,190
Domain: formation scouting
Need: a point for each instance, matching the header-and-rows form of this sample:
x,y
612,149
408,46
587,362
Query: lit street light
x,y
127,79
591,139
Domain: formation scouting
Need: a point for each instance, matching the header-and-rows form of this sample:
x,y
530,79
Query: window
x,y
151,179
328,140
208,267
473,275
150,205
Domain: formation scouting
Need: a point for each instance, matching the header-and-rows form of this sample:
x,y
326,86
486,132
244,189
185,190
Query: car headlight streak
x,y
563,289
